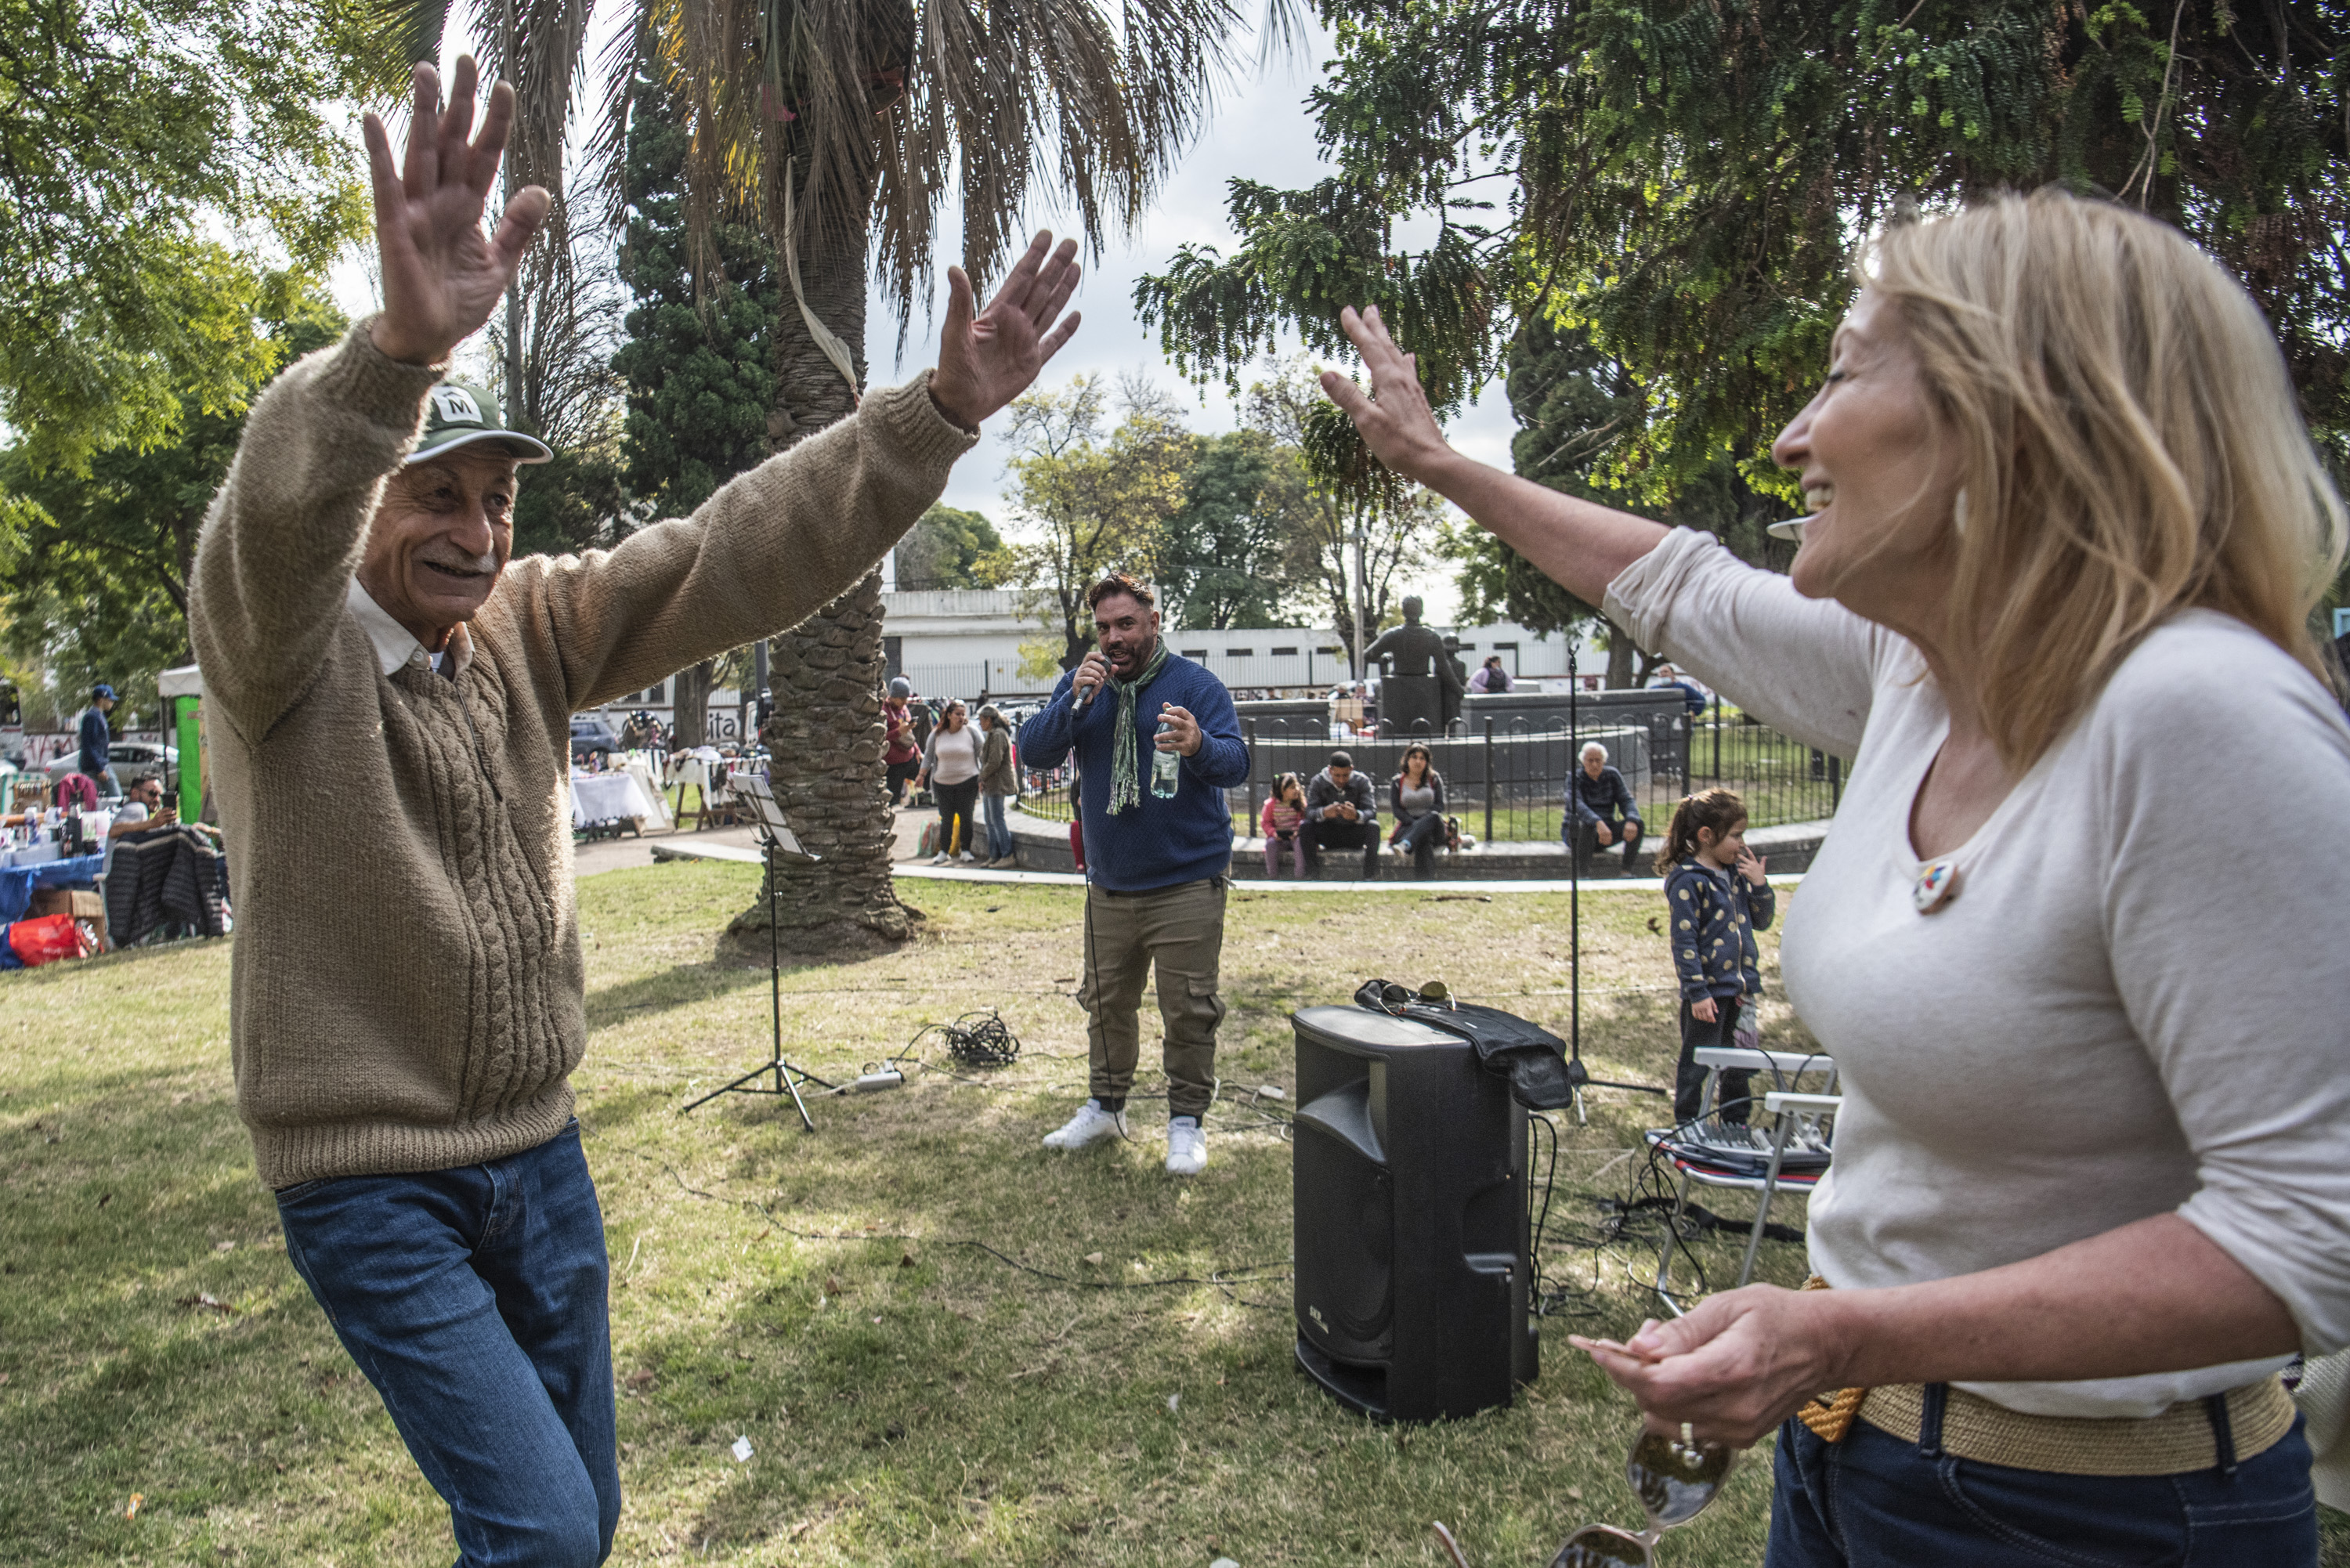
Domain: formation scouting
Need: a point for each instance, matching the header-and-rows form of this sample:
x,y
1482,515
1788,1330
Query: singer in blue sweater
x,y
1157,863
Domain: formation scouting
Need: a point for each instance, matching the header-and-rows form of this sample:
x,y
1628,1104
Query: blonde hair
x,y
2133,447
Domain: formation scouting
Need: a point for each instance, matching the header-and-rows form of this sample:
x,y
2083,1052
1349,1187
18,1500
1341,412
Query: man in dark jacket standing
x,y
1340,813
98,741
1157,742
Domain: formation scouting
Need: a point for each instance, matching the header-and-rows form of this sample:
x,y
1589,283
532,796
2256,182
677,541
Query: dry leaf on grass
x,y
206,1301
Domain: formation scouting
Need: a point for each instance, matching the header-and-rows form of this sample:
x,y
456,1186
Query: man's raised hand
x,y
442,276
1395,420
986,361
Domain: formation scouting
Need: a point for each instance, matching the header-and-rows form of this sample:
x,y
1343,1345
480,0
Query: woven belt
x,y
2189,1435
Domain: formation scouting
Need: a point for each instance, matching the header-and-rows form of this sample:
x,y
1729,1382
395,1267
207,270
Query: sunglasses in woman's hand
x,y
1674,1476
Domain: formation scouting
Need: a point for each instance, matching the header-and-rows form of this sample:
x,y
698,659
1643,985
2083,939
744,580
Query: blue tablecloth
x,y
17,882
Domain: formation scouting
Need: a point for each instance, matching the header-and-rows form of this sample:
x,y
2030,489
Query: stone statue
x,y
1420,680
1458,686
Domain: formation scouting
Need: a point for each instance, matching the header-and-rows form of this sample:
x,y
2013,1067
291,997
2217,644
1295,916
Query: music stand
x,y
778,843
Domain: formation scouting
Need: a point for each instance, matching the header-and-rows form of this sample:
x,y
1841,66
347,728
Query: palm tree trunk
x,y
825,736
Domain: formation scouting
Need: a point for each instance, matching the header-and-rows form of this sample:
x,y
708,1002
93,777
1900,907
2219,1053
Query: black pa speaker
x,y
1413,1239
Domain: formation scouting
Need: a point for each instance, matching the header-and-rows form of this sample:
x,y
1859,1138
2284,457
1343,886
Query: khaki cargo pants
x,y
1180,929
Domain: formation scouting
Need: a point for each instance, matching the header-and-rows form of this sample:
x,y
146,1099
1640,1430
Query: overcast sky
x,y
1259,130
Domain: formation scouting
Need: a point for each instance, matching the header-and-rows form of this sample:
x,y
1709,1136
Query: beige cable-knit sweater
x,y
406,986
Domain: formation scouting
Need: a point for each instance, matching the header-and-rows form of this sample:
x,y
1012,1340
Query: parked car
x,y
131,760
592,737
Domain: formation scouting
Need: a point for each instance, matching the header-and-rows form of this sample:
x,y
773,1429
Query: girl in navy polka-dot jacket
x,y
1715,889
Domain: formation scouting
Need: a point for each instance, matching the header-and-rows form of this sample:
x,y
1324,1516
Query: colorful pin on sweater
x,y
1937,880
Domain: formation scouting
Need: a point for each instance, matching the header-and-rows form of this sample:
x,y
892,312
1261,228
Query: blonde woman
x,y
2092,1185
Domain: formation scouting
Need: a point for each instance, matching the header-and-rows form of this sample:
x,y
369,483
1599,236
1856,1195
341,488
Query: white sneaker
x,y
1187,1147
941,858
968,858
1089,1126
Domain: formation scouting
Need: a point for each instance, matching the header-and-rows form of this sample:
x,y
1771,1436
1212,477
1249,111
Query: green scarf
x,y
1125,774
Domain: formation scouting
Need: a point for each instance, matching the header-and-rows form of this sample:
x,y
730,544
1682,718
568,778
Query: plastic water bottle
x,y
1164,766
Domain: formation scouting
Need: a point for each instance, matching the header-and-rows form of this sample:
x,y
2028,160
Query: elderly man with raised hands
x,y
406,1006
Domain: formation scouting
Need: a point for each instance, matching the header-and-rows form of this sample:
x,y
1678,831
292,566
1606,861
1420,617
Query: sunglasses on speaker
x,y
1674,1477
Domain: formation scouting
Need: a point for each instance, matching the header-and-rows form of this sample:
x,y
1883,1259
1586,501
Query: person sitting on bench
x,y
1339,811
1599,811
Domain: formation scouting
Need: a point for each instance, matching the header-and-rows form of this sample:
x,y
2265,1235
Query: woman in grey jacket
x,y
998,783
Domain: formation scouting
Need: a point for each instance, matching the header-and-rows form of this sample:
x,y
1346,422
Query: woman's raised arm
x,y
1578,544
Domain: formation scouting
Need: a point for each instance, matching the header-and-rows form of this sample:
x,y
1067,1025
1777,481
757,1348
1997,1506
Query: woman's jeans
x,y
955,801
999,830
476,1300
1875,1499
1426,831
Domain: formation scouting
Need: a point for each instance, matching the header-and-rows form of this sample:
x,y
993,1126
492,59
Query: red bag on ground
x,y
47,939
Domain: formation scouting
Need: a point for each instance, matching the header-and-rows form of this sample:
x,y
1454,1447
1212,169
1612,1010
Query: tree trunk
x,y
689,702
825,736
1621,655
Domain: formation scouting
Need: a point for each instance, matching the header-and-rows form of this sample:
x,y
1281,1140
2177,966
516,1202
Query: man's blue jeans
x,y
1876,1502
475,1301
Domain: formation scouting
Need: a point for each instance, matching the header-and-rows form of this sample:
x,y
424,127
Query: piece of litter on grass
x,y
1094,1259
1273,1091
1173,1400
223,1246
205,1301
136,1499
1224,1563
741,1451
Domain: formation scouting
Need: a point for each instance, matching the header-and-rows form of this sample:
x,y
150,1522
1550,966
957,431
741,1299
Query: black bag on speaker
x,y
1414,1276
1530,1056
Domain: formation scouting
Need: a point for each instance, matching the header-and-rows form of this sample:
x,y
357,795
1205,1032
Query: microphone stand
x,y
1578,1076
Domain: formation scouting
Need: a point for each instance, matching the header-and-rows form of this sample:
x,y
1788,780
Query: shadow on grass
x,y
664,990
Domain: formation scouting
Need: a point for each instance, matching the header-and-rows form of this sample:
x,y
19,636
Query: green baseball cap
x,y
459,413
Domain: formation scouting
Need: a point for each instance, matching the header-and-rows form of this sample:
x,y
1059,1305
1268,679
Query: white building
x,y
966,643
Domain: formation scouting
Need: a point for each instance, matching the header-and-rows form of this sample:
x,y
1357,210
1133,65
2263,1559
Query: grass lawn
x,y
910,1398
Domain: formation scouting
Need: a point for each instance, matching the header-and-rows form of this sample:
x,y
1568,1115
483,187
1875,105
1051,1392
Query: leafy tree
x,y
951,548
1687,181
149,151
1228,551
849,126
1092,500
696,366
1576,409
1399,523
94,586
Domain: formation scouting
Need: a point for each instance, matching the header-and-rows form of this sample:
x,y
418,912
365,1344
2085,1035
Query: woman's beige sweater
x,y
406,989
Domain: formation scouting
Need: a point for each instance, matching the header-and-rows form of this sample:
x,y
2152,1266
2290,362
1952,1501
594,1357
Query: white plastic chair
x,y
1706,1153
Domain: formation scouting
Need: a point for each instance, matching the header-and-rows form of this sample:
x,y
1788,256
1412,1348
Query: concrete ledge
x,y
1042,849
1044,845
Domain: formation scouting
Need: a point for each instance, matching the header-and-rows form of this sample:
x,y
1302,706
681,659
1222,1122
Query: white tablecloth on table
x,y
596,797
31,854
639,767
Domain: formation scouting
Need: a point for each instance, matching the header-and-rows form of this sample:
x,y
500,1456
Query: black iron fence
x,y
1506,778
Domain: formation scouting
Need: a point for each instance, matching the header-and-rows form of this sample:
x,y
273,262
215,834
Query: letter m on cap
x,y
456,406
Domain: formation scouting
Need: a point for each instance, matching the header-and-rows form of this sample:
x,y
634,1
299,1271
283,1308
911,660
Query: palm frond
x,y
886,107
